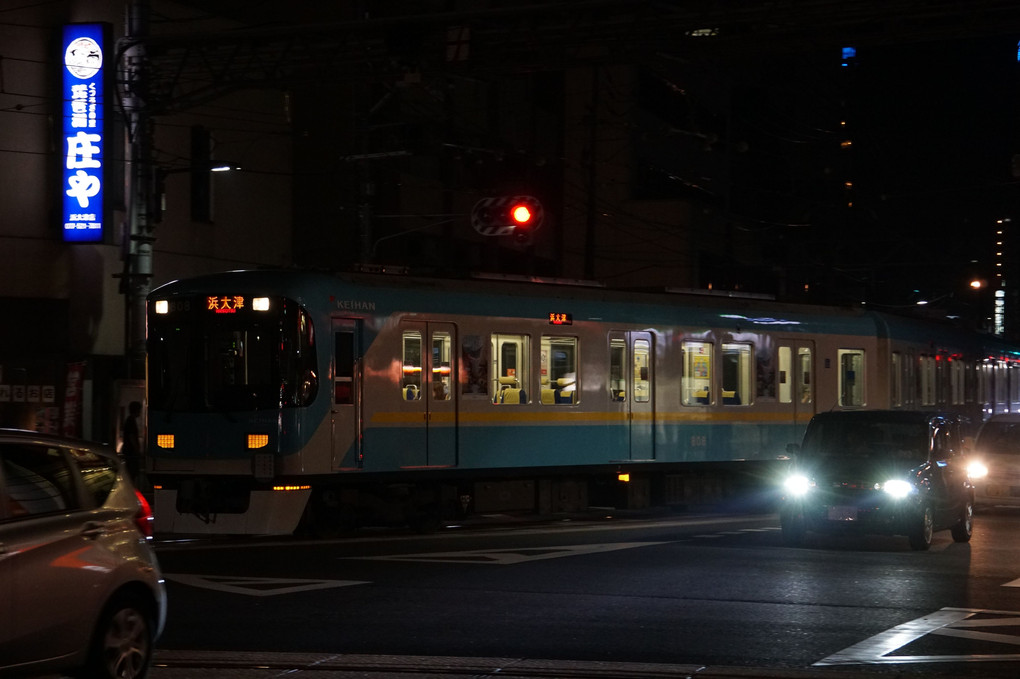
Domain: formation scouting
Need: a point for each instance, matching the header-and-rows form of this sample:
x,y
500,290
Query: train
x,y
285,401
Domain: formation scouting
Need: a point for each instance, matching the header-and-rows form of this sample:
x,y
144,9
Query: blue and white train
x,y
280,400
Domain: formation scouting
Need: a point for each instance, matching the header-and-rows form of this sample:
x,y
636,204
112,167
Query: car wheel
x,y
963,530
920,536
793,527
122,643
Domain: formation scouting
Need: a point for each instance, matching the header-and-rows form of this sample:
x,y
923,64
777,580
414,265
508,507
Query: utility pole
x,y
138,251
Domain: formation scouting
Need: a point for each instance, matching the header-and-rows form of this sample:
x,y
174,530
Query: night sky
x,y
933,131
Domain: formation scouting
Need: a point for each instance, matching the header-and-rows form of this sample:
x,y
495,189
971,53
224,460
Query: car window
x,y
36,480
1002,438
905,441
98,473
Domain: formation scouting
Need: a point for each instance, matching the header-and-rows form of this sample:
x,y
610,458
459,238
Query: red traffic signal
x,y
519,216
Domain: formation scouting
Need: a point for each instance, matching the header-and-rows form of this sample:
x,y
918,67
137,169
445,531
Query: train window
x,y
957,374
410,379
896,379
559,370
785,374
696,381
926,380
805,369
343,360
642,384
736,374
617,369
510,355
441,371
851,377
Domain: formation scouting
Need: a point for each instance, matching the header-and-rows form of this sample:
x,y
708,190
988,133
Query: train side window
x,y
510,356
410,379
642,382
896,380
804,371
926,380
441,367
736,374
696,380
851,377
343,360
617,369
559,370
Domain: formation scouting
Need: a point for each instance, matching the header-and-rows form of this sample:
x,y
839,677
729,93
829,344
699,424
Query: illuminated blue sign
x,y
84,132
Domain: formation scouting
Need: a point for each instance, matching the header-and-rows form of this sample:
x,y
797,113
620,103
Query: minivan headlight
x,y
798,485
976,469
897,488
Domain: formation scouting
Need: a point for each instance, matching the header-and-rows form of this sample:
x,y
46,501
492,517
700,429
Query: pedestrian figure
x,y
131,440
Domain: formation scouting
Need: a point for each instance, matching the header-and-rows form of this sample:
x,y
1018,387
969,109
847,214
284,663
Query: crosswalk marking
x,y
951,622
508,556
258,586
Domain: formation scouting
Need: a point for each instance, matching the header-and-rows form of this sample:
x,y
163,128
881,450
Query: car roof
x,y
28,435
876,416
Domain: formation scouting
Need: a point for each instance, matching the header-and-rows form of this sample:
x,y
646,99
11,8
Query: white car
x,y
995,469
80,589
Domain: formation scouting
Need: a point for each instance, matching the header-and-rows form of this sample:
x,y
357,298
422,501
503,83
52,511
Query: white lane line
x,y
258,586
508,556
953,622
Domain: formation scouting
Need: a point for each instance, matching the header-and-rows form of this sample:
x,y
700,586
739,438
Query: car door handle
x,y
93,530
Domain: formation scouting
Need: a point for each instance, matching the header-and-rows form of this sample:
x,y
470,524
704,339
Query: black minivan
x,y
880,472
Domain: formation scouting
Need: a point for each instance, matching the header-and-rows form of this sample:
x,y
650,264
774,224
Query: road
x,y
668,595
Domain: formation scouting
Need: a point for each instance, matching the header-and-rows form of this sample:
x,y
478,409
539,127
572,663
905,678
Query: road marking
x,y
506,557
1015,583
258,586
950,622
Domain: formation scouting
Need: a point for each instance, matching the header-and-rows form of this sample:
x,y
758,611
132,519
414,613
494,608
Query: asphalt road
x,y
706,596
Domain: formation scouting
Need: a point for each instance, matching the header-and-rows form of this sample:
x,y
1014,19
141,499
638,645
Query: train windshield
x,y
230,354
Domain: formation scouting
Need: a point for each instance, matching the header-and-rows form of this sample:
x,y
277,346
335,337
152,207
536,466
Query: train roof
x,y
508,297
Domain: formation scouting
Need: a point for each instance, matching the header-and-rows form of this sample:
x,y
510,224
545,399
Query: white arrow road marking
x,y
951,622
508,556
1015,583
258,586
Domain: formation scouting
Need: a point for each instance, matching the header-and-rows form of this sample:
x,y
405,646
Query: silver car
x,y
80,589
995,466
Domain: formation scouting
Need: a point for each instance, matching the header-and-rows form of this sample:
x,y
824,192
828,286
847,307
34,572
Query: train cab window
x,y
617,369
410,378
851,377
559,370
641,378
736,374
510,356
696,381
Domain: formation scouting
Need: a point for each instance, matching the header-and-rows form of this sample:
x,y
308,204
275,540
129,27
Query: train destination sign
x,y
559,318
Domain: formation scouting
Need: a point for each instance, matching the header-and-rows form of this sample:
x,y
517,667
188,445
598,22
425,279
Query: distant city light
x,y
849,54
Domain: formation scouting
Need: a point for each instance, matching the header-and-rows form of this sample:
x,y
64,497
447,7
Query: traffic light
x,y
519,216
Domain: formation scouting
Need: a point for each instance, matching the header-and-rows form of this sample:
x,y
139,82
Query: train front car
x,y
233,377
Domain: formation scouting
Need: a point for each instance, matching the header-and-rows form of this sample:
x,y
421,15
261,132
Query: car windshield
x,y
867,439
1000,438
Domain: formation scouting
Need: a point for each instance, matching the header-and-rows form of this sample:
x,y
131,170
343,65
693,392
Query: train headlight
x,y
162,306
898,488
798,485
976,469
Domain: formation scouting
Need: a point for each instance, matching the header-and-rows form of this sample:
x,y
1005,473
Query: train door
x,y
632,382
796,378
346,405
429,392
